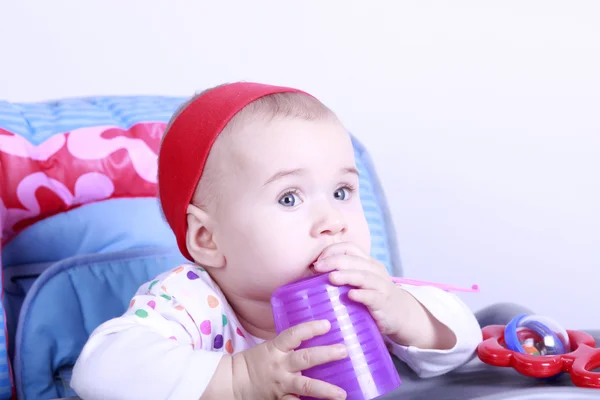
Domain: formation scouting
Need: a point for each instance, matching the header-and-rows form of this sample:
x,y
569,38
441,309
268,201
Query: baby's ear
x,y
200,240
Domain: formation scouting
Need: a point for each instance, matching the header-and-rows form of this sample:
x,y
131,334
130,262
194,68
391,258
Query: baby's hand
x,y
272,370
397,313
348,265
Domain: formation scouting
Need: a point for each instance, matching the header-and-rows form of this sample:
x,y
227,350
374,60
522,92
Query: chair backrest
x,y
74,173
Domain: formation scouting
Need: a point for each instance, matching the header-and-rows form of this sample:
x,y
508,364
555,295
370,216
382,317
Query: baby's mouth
x,y
311,266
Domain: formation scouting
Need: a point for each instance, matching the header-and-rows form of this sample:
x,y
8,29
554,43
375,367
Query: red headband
x,y
186,145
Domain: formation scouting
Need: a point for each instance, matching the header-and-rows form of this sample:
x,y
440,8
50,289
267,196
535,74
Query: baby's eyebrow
x,y
350,170
283,174
299,171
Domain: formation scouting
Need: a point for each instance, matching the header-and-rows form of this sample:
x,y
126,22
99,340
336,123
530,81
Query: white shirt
x,y
168,344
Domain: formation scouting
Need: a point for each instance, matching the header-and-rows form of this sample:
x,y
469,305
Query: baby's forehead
x,y
282,134
285,143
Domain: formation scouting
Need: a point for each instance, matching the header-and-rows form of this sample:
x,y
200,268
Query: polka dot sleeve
x,y
185,305
157,306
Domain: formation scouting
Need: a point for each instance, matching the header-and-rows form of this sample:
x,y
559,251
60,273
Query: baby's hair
x,y
284,105
290,105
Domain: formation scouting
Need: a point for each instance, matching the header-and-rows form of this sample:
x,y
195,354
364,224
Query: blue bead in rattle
x,y
536,335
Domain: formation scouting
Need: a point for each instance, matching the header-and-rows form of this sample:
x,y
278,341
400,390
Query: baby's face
x,y
290,189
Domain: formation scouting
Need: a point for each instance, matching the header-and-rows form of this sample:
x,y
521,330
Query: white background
x,y
483,117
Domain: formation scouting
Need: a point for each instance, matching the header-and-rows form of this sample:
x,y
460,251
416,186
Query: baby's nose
x,y
331,225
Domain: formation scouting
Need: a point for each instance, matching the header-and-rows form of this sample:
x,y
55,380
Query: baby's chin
x,y
268,282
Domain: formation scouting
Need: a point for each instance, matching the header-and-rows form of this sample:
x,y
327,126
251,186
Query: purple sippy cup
x,y
368,371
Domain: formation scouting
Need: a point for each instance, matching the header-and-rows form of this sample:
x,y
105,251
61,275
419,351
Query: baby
x,y
260,187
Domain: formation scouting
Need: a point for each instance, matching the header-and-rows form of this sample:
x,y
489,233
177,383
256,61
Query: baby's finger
x,y
372,299
359,278
291,338
344,248
301,360
343,262
303,386
290,397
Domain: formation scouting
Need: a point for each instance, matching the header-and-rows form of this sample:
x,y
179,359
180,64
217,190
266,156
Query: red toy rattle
x,y
538,347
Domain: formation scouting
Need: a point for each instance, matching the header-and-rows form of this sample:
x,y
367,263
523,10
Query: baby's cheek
x,y
359,232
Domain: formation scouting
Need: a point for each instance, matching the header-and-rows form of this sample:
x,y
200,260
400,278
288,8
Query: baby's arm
x,y
129,361
153,351
126,360
448,310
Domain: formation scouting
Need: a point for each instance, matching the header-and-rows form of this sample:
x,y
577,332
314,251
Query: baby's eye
x,y
289,199
342,193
